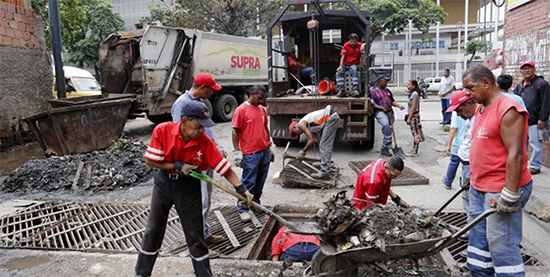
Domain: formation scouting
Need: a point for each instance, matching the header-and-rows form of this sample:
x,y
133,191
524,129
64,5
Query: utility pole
x,y
55,27
485,26
496,23
410,48
437,44
465,30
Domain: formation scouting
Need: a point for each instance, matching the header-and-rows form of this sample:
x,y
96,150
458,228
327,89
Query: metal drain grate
x,y
459,220
408,176
292,178
113,228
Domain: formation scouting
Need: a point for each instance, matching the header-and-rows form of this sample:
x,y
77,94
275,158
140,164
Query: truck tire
x,y
225,107
279,141
209,106
159,118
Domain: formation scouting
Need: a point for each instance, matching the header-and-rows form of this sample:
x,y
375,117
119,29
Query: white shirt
x,y
446,84
316,120
464,150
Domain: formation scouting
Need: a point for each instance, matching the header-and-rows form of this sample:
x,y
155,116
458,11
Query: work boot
x,y
320,175
445,185
214,239
385,152
245,217
341,93
212,254
354,93
534,171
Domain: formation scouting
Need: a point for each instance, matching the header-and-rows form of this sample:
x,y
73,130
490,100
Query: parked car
x,y
434,83
79,83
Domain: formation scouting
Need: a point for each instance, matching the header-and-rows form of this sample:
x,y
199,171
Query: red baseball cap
x,y
529,63
206,79
457,99
294,123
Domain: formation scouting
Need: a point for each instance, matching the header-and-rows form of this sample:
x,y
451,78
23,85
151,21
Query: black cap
x,y
197,110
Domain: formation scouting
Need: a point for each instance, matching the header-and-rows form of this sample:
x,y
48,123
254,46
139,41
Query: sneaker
x,y
214,239
354,93
445,185
212,254
411,154
341,93
316,164
245,217
534,171
442,122
320,175
385,152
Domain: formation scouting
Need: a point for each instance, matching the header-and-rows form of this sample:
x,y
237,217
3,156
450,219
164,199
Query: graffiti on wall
x,y
534,46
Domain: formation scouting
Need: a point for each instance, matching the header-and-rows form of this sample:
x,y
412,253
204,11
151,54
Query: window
x,y
441,44
394,46
437,80
332,36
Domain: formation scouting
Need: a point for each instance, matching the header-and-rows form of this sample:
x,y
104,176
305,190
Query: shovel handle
x,y
451,200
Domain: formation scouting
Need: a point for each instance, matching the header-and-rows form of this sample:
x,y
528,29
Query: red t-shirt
x,y
167,145
353,55
292,62
372,185
487,152
285,239
251,122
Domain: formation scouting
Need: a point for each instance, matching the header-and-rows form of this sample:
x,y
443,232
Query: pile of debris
x,y
377,225
120,165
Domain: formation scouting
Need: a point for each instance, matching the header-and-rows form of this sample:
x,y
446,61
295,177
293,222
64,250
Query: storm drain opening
x,y
113,228
297,174
408,176
455,253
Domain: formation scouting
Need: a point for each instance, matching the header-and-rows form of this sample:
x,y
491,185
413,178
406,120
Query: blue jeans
x,y
307,75
300,253
451,170
341,78
535,141
424,93
493,246
255,169
464,181
445,103
384,121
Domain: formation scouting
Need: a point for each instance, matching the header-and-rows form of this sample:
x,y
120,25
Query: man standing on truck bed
x,y
177,148
324,121
252,144
203,86
351,56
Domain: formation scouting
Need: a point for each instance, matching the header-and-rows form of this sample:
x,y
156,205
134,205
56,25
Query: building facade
x,y
132,10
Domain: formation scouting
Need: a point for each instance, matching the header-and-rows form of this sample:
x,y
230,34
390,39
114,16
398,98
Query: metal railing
x,y
401,77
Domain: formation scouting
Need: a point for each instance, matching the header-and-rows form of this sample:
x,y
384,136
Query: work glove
x,y
271,156
246,194
224,153
399,202
184,168
301,155
508,201
238,158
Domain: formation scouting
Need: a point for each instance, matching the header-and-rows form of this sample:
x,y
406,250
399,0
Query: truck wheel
x,y
209,106
279,142
225,107
159,118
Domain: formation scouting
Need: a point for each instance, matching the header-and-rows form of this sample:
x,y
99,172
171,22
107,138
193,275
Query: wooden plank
x,y
227,229
77,175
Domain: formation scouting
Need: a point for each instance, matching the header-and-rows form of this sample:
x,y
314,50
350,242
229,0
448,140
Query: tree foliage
x,y
233,17
392,16
472,47
157,13
84,24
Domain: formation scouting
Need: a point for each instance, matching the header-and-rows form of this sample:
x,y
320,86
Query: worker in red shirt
x,y
499,177
288,246
305,73
252,144
351,56
374,183
175,149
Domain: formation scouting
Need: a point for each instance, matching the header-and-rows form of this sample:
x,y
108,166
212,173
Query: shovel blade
x,y
305,228
398,151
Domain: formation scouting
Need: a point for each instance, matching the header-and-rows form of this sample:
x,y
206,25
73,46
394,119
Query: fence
x,y
401,77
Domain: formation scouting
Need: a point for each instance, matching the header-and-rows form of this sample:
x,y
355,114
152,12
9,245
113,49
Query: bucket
x,y
326,87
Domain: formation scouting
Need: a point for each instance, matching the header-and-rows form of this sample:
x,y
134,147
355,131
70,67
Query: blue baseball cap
x,y
197,110
381,77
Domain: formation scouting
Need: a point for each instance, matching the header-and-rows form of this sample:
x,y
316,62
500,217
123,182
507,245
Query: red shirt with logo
x,y
488,154
167,145
353,55
373,186
285,239
251,122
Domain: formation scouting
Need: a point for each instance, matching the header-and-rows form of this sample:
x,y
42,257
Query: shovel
x,y
451,199
397,151
304,228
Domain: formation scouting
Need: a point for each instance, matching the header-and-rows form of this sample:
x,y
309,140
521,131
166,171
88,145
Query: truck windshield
x,y
84,84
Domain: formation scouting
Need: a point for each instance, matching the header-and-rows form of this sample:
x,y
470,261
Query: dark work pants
x,y
185,194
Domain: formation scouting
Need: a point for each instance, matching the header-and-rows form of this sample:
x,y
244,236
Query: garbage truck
x,y
157,65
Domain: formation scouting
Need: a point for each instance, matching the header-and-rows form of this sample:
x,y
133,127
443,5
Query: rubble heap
x,y
120,165
377,225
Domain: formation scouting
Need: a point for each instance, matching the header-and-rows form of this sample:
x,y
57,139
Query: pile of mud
x,y
120,165
377,225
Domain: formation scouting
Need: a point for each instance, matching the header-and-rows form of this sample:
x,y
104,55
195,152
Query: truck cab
x,y
320,49
79,83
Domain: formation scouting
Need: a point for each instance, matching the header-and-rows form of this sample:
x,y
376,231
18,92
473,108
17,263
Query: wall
x,y
529,40
455,11
25,71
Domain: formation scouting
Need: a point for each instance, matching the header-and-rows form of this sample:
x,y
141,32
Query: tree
x,y
472,47
84,24
157,13
233,17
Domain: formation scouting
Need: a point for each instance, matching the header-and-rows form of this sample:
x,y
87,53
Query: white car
x,y
435,83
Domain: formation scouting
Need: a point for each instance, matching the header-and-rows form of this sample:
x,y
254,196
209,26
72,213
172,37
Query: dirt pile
x,y
346,227
120,165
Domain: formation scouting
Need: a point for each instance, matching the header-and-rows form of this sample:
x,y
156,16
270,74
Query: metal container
x,y
80,127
